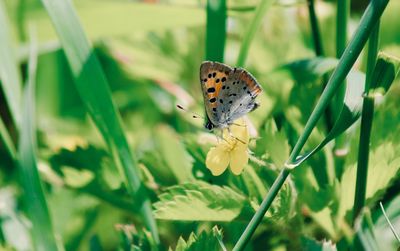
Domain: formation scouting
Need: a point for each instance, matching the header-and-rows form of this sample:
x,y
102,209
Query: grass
x,y
94,155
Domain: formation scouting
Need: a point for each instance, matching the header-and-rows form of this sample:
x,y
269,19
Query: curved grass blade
x,y
9,74
216,30
319,50
368,21
94,90
251,31
5,138
34,198
348,115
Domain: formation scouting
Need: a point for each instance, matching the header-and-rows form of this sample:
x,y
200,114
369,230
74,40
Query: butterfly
x,y
229,93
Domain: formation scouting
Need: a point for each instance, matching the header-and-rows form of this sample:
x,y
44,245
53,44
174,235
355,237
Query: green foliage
x,y
115,157
203,241
201,201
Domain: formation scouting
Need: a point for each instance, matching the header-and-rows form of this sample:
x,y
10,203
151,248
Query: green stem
x,y
251,31
366,125
316,34
266,203
342,16
368,21
34,198
216,30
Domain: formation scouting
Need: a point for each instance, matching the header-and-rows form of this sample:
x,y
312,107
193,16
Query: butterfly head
x,y
209,125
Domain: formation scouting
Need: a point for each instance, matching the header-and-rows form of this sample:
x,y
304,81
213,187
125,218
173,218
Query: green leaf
x,y
34,198
307,70
314,245
10,79
386,69
200,201
76,178
174,154
94,90
132,239
254,25
277,146
383,170
205,241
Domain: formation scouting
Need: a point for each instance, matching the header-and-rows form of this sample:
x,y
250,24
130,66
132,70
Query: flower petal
x,y
239,159
238,132
217,160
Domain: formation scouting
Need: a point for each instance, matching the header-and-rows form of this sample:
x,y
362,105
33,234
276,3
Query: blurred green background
x,y
150,52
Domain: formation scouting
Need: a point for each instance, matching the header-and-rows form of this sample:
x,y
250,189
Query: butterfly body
x,y
229,93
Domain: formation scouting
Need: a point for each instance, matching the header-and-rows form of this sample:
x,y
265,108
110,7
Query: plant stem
x,y
216,30
266,203
342,16
316,34
368,21
251,31
34,197
366,125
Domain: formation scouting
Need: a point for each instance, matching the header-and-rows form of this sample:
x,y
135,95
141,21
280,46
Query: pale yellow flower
x,y
232,149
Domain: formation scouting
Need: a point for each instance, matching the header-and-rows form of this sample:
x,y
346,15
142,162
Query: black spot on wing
x,y
211,90
212,100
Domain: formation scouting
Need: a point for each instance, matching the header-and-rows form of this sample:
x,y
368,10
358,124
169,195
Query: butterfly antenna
x,y
194,115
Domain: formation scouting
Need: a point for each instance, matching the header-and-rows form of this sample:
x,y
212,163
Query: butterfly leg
x,y
233,136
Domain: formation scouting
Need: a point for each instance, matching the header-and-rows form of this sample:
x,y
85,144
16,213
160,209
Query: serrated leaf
x,y
383,169
205,241
200,201
76,178
314,245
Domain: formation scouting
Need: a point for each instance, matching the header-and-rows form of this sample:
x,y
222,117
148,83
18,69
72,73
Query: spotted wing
x,y
213,76
237,96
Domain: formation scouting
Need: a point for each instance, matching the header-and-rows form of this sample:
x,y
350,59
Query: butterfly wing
x,y
237,96
213,76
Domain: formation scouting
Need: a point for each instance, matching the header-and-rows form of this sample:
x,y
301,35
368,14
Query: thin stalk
x,y
366,125
342,17
251,31
216,30
368,21
390,224
316,34
6,140
321,175
265,204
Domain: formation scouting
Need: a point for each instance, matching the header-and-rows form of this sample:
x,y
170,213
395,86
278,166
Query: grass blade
x,y
388,221
95,93
9,73
251,31
6,139
366,126
34,198
319,50
368,21
216,30
342,16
